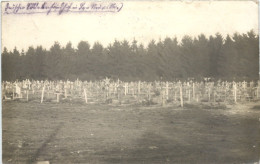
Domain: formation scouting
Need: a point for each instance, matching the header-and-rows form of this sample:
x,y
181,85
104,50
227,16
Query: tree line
x,y
233,57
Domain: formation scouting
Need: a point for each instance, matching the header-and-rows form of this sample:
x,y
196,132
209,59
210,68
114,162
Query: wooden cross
x,y
58,96
29,84
166,90
106,80
244,84
126,88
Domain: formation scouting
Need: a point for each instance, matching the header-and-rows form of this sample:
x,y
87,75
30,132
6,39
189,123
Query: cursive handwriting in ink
x,y
61,7
13,8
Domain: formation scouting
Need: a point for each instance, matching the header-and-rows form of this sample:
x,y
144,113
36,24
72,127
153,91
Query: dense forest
x,y
233,57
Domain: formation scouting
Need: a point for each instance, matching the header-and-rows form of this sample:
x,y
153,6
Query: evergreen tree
x,y
230,58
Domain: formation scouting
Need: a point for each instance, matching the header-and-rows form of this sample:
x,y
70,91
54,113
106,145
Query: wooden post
x,y
27,94
257,89
118,93
214,100
189,95
115,89
225,94
105,93
133,91
125,88
163,98
58,97
193,90
244,85
86,97
13,93
18,91
3,91
175,98
257,92
235,92
108,93
65,93
149,92
258,85
181,98
42,93
139,88
21,94
209,94
167,90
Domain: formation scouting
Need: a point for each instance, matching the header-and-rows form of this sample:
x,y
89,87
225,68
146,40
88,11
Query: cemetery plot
x,y
130,122
119,92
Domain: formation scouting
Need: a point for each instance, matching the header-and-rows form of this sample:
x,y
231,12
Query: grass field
x,y
79,133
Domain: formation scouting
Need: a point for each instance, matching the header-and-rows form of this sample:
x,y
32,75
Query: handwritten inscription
x,y
60,7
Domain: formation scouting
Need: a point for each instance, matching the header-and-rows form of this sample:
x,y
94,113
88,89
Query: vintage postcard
x,y
130,82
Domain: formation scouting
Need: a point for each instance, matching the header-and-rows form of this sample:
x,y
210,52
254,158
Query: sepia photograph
x,y
130,82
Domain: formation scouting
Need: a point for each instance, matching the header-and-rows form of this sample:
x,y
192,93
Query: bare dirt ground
x,y
79,133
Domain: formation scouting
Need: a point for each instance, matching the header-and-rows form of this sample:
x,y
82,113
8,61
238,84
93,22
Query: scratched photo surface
x,y
130,82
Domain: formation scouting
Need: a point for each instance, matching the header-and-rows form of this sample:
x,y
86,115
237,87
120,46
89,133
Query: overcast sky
x,y
143,21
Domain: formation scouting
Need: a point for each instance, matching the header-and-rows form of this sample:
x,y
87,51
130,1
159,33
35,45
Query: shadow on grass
x,y
257,107
41,149
205,106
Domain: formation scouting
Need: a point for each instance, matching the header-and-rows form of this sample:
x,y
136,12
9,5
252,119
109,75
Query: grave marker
x,y
42,93
235,91
86,97
181,98
193,91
